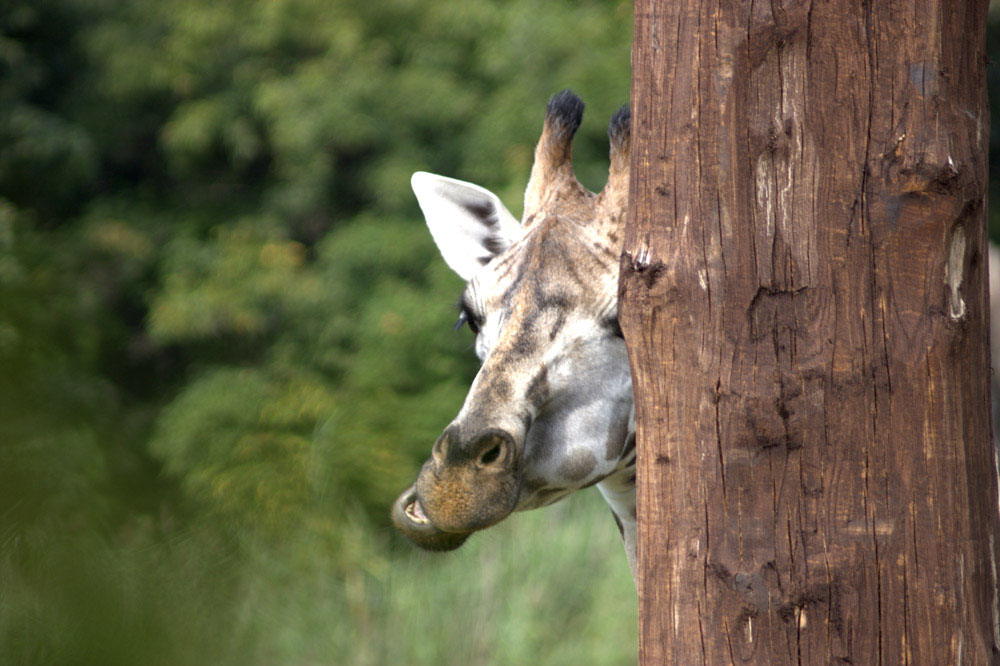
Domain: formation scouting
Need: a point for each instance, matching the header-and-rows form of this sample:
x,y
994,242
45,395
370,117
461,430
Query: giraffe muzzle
x,y
465,487
409,517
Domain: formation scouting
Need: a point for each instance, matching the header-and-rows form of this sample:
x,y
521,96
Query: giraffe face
x,y
551,408
549,411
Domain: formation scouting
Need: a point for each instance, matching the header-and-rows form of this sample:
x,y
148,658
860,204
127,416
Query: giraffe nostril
x,y
495,450
442,448
490,455
439,451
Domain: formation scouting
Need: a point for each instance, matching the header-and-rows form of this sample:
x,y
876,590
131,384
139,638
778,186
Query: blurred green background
x,y
225,340
225,333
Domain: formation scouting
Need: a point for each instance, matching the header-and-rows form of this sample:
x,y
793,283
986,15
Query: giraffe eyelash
x,y
466,317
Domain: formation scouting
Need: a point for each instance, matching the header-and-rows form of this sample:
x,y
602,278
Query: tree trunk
x,y
803,292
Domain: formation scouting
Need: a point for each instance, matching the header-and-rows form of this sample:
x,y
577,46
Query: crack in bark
x,y
718,440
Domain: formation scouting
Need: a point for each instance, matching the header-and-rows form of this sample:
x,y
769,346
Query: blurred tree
x,y
220,313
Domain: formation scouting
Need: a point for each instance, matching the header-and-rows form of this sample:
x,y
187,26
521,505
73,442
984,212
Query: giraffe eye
x,y
465,317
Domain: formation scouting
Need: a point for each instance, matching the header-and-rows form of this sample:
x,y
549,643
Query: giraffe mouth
x,y
410,519
415,512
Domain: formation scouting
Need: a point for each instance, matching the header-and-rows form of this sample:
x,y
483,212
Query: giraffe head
x,y
550,410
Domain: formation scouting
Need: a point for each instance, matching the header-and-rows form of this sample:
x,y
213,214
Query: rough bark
x,y
803,293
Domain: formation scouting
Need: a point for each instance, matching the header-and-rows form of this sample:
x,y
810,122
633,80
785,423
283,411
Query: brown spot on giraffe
x,y
579,466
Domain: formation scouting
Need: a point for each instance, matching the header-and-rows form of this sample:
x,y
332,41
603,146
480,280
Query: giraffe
x,y
551,409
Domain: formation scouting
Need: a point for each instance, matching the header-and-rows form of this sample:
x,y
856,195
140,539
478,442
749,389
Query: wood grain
x,y
803,294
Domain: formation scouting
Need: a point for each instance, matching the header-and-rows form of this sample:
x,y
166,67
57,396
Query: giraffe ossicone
x,y
551,409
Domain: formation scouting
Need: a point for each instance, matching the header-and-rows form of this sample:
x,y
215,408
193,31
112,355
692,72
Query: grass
x,y
546,587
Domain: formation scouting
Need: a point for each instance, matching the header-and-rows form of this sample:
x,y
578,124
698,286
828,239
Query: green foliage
x,y
52,398
225,338
142,599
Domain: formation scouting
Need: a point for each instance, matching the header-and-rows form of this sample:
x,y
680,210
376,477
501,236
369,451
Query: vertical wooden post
x,y
803,293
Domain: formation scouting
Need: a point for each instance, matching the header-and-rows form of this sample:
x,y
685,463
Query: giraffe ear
x,y
469,223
